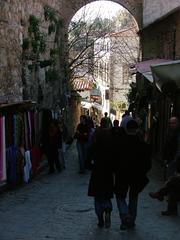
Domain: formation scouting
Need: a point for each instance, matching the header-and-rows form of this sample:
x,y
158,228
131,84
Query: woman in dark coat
x,y
130,174
52,146
101,179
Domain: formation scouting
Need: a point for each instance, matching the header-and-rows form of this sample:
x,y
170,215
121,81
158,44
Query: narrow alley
x,y
57,207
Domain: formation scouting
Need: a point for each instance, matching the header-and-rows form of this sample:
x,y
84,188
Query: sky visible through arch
x,y
103,9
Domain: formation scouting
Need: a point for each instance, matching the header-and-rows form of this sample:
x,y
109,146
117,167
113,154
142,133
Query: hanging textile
x,y
27,167
11,165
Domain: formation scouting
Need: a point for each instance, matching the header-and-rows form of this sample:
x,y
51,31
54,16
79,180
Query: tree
x,y
124,19
88,42
83,36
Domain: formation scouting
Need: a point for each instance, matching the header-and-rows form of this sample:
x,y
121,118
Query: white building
x,y
114,56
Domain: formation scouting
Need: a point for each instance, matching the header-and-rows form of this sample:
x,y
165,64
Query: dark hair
x,y
103,123
116,122
132,124
55,122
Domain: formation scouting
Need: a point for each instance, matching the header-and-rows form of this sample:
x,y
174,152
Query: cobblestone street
x,y
57,207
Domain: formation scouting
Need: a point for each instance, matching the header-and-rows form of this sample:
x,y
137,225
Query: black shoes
x,y
127,223
125,226
107,219
100,221
104,220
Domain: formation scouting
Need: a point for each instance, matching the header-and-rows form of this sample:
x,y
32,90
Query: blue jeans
x,y
127,209
101,205
82,155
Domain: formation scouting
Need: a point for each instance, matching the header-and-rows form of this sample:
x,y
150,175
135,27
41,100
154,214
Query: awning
x,y
97,106
17,106
144,67
81,84
167,75
88,105
148,76
85,104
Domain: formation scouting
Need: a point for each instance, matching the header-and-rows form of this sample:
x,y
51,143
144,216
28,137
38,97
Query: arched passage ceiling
x,y
70,7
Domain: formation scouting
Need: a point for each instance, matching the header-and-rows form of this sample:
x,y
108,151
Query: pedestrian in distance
x,y
64,132
53,144
130,167
81,136
125,118
116,123
118,134
101,179
107,120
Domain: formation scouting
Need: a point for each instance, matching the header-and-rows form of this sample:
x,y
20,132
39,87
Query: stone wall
x,y
13,27
153,10
161,39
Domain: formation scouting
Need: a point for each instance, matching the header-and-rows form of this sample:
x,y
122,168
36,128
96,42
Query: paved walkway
x,y
57,207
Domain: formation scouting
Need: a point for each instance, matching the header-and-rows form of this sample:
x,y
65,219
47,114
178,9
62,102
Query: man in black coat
x,y
130,173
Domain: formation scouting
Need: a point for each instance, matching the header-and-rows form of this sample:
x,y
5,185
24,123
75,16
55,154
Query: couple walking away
x,y
119,161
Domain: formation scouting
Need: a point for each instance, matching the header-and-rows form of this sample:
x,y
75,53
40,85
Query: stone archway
x,y
70,7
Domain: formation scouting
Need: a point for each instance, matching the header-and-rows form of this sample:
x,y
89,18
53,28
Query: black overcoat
x,y
101,179
131,165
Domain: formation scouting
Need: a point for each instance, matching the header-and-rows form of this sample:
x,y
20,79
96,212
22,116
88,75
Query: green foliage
x,y
37,39
51,75
36,42
56,23
88,32
131,95
33,24
25,44
45,63
54,52
94,86
123,19
118,105
51,28
50,14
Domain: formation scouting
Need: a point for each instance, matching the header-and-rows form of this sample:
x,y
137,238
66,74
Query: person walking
x,y
118,134
101,180
81,136
53,144
130,167
107,120
64,133
126,117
